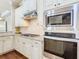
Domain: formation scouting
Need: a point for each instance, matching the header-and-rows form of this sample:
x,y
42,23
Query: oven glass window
x,y
67,50
54,47
60,19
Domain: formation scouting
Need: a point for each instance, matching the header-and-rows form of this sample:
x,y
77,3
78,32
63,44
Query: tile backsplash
x,y
33,28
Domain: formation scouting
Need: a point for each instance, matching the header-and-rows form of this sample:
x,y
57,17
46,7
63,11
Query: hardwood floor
x,y
12,55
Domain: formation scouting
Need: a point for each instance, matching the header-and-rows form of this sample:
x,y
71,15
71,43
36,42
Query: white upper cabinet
x,y
65,2
49,4
27,6
18,17
30,4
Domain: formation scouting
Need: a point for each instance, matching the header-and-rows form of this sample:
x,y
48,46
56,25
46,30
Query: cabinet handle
x,y
54,4
58,3
36,43
3,40
32,46
23,42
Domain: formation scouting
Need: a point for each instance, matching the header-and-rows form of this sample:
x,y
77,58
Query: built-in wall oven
x,y
61,44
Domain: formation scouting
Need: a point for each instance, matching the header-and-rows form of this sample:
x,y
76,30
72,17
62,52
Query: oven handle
x,y
62,39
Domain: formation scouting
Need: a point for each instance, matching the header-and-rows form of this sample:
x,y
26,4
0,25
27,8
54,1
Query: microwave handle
x,y
72,17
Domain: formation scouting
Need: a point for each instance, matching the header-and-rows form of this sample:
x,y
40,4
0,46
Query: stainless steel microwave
x,y
61,16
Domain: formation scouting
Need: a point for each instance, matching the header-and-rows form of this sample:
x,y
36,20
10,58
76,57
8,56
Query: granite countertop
x,y
37,37
6,34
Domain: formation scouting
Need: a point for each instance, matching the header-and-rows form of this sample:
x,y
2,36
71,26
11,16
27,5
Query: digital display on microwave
x,y
61,19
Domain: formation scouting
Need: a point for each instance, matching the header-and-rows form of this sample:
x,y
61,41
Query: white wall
x,y
4,6
33,28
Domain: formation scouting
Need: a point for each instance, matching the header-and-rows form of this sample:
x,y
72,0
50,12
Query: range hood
x,y
30,15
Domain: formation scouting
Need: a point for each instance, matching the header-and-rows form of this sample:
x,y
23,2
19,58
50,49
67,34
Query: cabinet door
x,y
27,48
32,5
18,44
49,4
37,50
23,45
60,2
8,43
65,2
18,17
1,46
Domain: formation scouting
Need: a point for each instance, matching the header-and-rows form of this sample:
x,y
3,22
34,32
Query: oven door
x,y
65,49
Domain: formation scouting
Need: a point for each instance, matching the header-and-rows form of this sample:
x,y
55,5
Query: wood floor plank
x,y
12,55
2,57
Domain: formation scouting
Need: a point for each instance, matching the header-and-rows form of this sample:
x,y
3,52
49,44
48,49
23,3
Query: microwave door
x,y
61,19
55,20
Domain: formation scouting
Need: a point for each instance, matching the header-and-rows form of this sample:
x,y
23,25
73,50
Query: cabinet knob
x,y
32,45
36,42
3,40
58,3
54,4
23,42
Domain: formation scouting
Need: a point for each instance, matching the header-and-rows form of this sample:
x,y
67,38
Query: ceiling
x,y
16,3
4,5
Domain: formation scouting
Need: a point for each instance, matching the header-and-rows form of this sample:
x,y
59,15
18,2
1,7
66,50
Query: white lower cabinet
x,y
6,44
23,45
30,48
17,43
37,50
27,48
